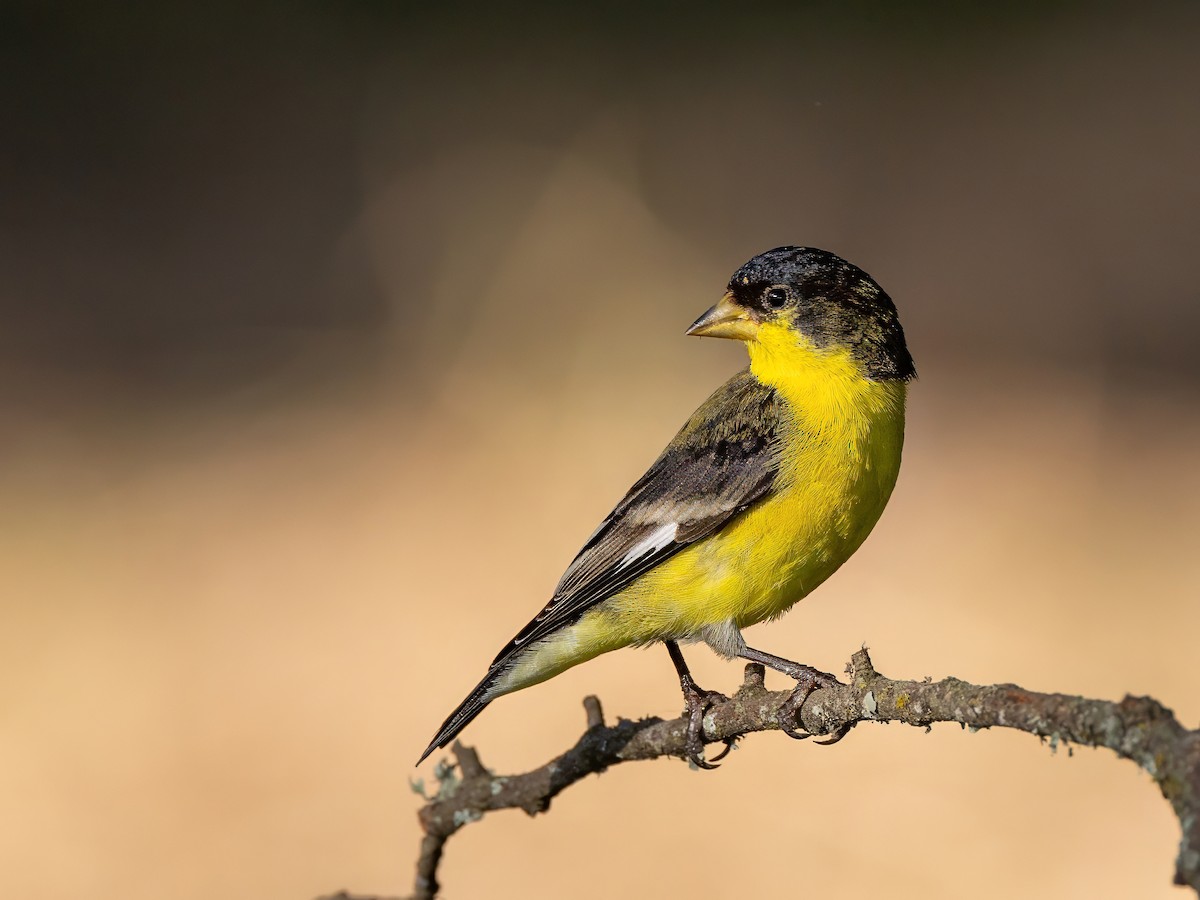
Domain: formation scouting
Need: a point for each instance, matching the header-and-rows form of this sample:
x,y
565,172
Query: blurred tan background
x,y
329,332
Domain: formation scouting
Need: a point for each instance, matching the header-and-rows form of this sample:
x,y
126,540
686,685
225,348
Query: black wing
x,y
722,461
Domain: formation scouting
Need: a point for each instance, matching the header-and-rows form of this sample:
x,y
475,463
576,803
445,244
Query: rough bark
x,y
1137,728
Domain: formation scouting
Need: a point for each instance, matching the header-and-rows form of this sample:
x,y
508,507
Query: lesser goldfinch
x,y
766,490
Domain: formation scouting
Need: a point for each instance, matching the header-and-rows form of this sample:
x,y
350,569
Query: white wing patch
x,y
651,543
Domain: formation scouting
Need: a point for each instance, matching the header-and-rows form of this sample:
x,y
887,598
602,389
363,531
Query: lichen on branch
x,y
1137,728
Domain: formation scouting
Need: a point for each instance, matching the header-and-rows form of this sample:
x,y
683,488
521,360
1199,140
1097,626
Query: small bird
x,y
767,489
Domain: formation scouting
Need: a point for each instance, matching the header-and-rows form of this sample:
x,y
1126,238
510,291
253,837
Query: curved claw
x,y
695,736
794,733
698,703
730,743
789,718
808,681
836,736
789,712
699,762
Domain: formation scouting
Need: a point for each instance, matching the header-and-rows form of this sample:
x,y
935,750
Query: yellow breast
x,y
839,460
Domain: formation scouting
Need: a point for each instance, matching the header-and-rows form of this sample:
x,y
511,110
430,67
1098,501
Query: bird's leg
x,y
698,701
808,680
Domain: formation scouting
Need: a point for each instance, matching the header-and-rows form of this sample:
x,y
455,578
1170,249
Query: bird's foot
x,y
808,680
699,701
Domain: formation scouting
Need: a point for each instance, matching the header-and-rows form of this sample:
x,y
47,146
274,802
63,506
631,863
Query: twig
x,y
1138,728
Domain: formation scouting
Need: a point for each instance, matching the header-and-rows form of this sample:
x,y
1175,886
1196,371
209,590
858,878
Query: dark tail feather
x,y
461,717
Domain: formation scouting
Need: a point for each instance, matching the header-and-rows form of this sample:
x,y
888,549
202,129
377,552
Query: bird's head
x,y
812,297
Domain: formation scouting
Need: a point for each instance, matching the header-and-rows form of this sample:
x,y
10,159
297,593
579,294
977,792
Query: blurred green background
x,y
329,331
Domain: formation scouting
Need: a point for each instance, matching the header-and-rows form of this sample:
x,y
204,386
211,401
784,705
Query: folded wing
x,y
723,461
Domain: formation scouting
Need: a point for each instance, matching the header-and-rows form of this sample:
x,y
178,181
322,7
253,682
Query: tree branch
x,y
1138,728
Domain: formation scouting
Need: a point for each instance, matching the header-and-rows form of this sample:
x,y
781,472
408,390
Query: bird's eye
x,y
776,298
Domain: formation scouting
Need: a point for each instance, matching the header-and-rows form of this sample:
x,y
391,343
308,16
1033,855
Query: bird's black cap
x,y
832,302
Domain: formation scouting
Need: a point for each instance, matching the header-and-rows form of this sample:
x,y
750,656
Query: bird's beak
x,y
725,320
